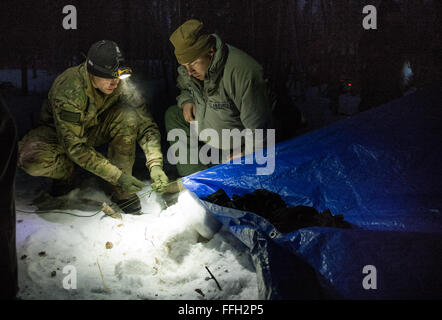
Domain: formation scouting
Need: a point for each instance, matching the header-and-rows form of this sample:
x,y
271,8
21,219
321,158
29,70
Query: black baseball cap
x,y
104,59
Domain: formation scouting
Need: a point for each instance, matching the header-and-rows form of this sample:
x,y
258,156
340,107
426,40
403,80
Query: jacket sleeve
x,y
185,95
250,95
69,123
148,136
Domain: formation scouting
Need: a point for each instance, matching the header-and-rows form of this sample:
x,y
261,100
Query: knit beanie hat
x,y
190,41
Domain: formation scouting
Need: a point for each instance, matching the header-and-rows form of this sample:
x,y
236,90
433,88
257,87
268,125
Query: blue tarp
x,y
382,170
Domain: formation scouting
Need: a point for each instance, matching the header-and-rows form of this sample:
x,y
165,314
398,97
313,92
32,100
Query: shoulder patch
x,y
73,117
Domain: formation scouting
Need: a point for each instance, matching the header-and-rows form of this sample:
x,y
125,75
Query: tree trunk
x,y
24,76
34,69
8,165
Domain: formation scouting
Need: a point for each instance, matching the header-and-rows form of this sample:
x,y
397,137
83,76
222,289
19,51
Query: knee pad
x,y
39,159
27,156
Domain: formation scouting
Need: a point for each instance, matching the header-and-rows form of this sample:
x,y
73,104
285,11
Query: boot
x,y
61,187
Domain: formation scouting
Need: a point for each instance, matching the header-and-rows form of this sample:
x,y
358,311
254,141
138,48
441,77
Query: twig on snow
x,y
102,277
213,277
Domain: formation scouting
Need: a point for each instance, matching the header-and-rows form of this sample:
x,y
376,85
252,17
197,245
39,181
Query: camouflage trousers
x,y
174,119
41,154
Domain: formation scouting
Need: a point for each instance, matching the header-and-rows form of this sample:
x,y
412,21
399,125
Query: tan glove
x,y
159,179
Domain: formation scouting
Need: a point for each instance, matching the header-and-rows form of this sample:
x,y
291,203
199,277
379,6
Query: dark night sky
x,y
316,38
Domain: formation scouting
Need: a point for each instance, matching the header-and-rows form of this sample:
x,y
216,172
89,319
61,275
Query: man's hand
x,y
159,179
189,110
130,184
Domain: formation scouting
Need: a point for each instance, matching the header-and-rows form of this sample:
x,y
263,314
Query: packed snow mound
x,y
157,255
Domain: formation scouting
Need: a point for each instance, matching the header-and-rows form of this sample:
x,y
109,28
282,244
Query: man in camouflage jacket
x,y
90,105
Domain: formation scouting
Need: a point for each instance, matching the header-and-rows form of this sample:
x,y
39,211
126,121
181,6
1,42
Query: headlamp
x,y
119,73
123,72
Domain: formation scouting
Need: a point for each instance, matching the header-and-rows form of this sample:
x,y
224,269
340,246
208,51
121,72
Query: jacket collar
x,y
218,62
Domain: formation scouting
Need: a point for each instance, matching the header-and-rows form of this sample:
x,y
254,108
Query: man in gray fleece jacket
x,y
221,88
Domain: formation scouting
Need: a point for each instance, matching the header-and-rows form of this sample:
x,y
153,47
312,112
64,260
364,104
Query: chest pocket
x,y
220,105
223,107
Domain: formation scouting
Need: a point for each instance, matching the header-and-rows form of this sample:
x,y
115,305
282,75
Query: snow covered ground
x,y
157,255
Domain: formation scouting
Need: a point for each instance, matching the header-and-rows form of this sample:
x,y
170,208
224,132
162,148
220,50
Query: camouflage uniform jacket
x,y
73,107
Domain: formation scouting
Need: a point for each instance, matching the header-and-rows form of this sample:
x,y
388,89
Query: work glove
x,y
130,184
159,179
